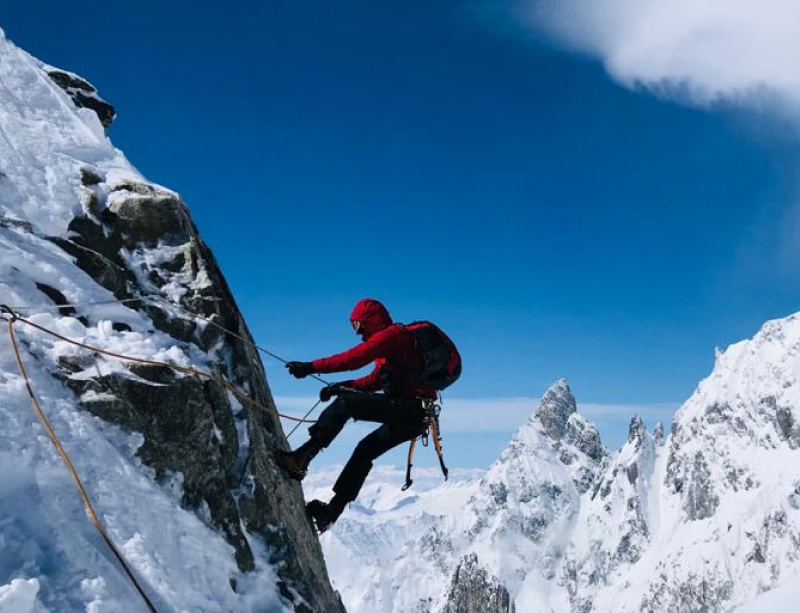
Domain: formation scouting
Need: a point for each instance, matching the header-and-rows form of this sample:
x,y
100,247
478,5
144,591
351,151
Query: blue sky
x,y
461,167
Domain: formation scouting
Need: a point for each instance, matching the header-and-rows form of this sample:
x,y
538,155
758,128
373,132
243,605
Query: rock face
x,y
474,591
705,519
223,451
101,231
83,94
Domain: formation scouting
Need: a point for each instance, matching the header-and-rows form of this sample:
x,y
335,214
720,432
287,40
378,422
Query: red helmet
x,y
369,316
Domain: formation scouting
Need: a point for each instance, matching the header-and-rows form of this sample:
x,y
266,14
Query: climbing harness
x,y
431,411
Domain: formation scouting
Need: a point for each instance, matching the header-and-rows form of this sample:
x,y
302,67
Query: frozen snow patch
x,y
21,596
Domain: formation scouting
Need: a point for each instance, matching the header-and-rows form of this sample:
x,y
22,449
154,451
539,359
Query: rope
x,y
71,468
9,313
154,299
45,307
248,342
309,412
183,369
226,330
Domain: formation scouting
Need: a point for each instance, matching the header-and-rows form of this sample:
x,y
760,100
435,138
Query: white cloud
x,y
702,51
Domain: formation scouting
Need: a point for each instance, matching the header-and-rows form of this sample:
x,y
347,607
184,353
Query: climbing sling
x,y
431,424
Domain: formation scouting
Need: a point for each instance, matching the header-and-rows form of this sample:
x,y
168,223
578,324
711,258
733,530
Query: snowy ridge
x,y
704,519
46,142
78,224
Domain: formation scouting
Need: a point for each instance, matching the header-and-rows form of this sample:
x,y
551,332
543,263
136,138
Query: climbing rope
x,y
309,412
188,370
47,307
12,319
155,298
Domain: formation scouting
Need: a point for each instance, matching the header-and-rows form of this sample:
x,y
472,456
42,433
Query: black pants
x,y
402,419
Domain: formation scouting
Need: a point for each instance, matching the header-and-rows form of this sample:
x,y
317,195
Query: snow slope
x,y
57,166
704,519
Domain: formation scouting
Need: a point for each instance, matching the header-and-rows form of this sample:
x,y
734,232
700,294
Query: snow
x,y
711,514
21,596
707,518
783,599
51,558
45,141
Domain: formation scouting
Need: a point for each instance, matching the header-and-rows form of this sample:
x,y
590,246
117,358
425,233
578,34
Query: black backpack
x,y
441,360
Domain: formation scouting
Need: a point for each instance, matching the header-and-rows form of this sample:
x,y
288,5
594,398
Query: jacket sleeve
x,y
370,383
357,357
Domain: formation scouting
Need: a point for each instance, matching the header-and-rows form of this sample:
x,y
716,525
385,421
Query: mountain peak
x,y
636,430
658,432
555,409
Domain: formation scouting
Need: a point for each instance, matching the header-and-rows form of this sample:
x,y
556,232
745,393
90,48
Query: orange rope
x,y
184,369
12,319
68,463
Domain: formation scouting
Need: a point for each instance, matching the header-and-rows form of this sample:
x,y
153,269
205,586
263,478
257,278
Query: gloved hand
x,y
300,370
329,391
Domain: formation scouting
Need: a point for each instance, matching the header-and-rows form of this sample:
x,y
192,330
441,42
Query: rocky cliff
x,y
79,225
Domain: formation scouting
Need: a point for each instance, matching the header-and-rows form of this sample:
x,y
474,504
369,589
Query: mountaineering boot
x,y
324,514
296,462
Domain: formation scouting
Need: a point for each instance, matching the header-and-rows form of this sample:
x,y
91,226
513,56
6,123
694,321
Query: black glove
x,y
329,391
300,370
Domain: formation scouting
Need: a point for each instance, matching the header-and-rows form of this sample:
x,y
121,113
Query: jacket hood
x,y
373,316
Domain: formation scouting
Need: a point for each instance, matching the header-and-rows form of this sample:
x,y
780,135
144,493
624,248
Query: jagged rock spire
x,y
554,411
474,590
658,433
636,430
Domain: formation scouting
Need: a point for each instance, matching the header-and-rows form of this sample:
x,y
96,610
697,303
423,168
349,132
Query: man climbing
x,y
412,363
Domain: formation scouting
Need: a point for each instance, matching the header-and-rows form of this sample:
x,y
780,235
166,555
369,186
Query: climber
x,y
412,363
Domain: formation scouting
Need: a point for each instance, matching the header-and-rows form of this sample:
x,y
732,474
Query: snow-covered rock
x,y
180,473
705,519
473,590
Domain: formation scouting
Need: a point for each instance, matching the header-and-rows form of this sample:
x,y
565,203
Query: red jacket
x,y
389,345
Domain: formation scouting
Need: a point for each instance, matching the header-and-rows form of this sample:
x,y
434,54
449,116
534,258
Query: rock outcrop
x,y
138,240
99,229
83,94
474,590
